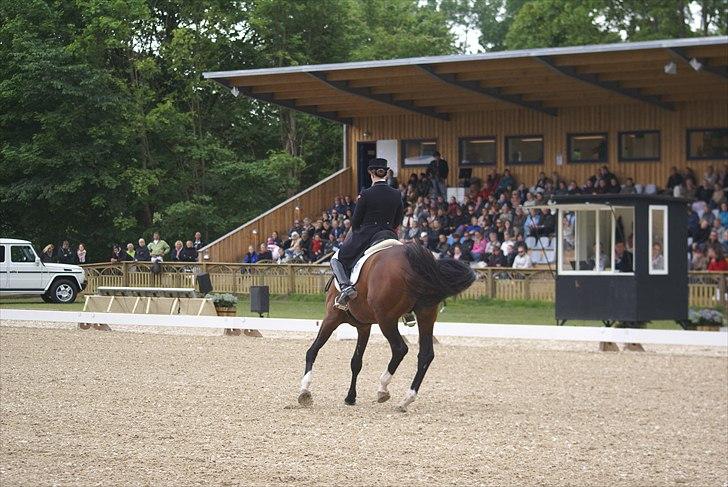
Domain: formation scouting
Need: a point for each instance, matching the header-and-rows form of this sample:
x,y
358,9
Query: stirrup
x,y
338,302
409,319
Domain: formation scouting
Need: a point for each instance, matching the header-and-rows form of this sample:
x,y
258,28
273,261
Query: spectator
x,y
158,248
198,243
496,258
264,253
317,247
622,258
128,255
189,253
275,251
276,239
658,260
716,259
699,261
675,179
177,251
522,260
65,254
47,255
251,257
117,255
628,187
142,252
305,246
458,254
438,171
81,254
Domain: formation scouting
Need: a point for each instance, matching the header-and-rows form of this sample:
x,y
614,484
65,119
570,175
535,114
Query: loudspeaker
x,y
259,299
156,268
204,283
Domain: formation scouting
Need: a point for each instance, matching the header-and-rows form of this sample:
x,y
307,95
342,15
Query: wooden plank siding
x,y
612,118
308,203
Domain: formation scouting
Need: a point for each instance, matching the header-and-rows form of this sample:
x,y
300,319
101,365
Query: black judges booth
x,y
621,258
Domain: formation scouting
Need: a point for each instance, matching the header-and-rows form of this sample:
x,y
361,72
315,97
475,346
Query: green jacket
x,y
158,249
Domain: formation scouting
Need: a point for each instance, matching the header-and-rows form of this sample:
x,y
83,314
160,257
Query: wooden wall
x,y
502,123
308,203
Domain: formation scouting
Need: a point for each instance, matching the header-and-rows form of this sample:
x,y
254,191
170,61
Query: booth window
x,y
658,239
477,150
524,149
418,152
639,146
596,241
587,147
707,143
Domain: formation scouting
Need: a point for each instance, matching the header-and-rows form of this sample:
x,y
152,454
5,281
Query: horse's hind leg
x,y
328,325
361,345
426,322
399,350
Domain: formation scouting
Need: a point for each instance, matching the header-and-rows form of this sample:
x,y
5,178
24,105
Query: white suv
x,y
22,272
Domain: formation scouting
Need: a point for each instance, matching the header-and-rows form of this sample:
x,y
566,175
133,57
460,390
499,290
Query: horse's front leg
x,y
328,325
425,322
356,361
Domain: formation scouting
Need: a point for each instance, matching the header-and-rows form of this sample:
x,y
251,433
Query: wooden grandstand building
x,y
639,108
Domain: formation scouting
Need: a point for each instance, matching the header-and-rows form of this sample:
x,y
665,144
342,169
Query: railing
x,y
705,289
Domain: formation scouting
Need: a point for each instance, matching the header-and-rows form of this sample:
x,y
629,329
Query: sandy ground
x,y
86,407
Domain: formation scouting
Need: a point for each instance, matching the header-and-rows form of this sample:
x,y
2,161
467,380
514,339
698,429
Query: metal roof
x,y
542,80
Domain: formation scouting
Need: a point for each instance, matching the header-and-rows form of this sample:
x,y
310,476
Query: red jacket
x,y
718,265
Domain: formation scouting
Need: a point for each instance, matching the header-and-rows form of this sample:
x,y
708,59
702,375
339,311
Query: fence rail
x,y
705,289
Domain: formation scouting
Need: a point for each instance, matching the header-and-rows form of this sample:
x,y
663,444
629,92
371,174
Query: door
x,y
366,151
3,269
24,273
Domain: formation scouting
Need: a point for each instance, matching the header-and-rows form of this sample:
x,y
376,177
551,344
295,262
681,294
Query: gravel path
x,y
85,407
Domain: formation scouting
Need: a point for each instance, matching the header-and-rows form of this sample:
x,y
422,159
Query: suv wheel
x,y
63,291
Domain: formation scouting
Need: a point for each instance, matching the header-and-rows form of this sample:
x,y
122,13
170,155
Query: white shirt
x,y
522,262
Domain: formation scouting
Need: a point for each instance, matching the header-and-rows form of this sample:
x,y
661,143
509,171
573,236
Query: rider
x,y
378,208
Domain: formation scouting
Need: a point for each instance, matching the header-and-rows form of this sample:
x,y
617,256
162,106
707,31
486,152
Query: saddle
x,y
382,240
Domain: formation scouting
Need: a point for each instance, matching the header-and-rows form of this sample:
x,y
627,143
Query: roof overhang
x,y
541,81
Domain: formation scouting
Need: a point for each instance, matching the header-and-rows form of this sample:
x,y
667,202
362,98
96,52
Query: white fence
x,y
442,329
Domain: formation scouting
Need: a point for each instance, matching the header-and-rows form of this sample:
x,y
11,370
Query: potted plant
x,y
706,319
225,305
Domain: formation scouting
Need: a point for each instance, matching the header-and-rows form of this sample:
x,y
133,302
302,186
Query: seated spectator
x,y
275,250
699,261
658,260
628,187
264,253
189,253
532,226
142,252
496,258
548,223
317,248
723,214
506,183
305,245
177,251
701,236
710,177
478,250
622,258
522,260
331,245
716,259
442,246
47,255
251,257
458,254
718,196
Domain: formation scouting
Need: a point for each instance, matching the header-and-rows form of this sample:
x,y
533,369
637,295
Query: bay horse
x,y
392,282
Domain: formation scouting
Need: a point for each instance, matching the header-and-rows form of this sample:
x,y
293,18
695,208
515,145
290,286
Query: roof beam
x,y
333,116
491,93
720,71
345,87
613,86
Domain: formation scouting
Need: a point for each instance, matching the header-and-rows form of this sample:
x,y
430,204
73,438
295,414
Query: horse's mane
x,y
430,281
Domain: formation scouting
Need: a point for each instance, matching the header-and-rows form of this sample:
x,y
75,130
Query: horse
x,y
392,282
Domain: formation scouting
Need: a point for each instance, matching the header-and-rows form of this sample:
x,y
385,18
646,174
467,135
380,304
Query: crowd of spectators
x,y
492,225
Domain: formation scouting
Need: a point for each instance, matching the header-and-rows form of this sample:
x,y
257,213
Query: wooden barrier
x,y
705,289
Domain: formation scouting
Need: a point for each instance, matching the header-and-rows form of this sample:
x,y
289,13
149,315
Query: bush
x,y
223,300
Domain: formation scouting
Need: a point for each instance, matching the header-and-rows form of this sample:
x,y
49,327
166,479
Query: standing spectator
x,y
141,253
251,257
675,179
522,259
65,254
47,254
128,255
189,253
117,255
81,254
158,248
622,258
198,243
177,251
438,172
264,253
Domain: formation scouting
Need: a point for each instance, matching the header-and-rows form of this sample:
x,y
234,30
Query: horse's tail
x,y
430,281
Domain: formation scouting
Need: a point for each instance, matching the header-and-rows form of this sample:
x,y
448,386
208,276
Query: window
x,y
2,253
587,147
639,146
418,152
596,241
21,253
524,149
658,239
707,143
477,150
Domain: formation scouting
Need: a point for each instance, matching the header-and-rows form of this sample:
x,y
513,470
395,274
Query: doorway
x,y
366,151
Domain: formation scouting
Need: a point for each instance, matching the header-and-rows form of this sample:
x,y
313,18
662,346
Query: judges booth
x,y
621,258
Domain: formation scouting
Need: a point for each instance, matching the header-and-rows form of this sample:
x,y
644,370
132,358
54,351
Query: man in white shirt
x,y
522,260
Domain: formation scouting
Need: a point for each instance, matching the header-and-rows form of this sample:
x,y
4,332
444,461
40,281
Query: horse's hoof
x,y
383,397
350,400
305,399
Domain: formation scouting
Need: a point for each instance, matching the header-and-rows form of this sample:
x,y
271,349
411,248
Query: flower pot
x,y
708,327
225,311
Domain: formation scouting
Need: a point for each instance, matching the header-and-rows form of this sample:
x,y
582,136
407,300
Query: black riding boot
x,y
348,291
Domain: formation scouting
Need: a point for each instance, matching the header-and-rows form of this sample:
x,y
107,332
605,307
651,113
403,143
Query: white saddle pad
x,y
384,244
